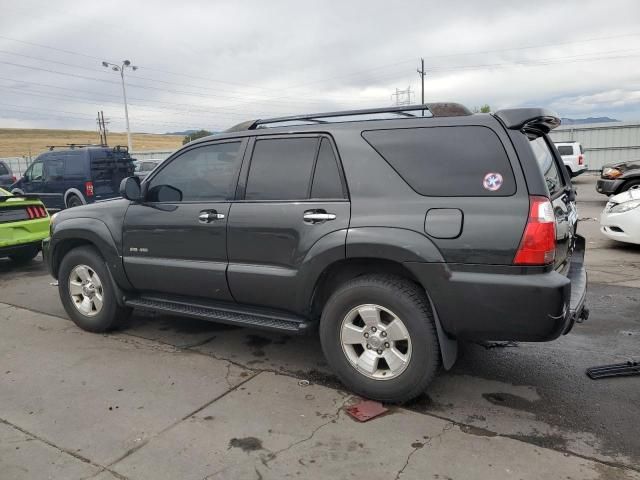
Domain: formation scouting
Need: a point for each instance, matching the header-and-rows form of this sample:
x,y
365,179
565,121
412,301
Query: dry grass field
x,y
18,142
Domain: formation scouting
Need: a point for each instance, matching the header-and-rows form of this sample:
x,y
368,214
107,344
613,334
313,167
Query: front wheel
x,y
378,335
86,291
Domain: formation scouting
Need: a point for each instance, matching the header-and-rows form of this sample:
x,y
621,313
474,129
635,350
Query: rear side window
x,y
281,169
447,161
3,169
326,178
547,165
565,149
55,168
74,165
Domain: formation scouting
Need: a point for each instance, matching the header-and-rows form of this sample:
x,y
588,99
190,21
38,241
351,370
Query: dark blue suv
x,y
76,176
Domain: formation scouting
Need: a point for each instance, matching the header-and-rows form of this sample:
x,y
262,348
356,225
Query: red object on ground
x,y
366,410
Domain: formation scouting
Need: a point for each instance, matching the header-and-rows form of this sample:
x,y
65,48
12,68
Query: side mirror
x,y
130,189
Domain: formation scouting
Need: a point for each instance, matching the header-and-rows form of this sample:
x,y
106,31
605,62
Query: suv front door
x,y
292,198
175,241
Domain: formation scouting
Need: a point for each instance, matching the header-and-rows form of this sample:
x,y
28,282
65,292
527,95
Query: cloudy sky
x,y
211,64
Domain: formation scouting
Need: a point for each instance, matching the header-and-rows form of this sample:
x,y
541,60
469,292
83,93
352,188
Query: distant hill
x,y
582,121
18,142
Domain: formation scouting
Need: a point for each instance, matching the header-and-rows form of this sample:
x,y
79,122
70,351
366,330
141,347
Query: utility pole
x,y
120,68
422,74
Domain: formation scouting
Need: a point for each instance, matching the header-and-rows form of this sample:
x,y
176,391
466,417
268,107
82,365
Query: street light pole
x,y
120,68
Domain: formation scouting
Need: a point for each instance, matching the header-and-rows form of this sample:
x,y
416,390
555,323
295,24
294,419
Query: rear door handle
x,y
208,216
318,216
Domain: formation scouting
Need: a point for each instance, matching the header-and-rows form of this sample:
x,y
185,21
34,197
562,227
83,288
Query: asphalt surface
x,y
535,397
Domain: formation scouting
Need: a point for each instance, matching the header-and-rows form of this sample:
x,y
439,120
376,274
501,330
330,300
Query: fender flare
x,y
76,192
18,191
95,232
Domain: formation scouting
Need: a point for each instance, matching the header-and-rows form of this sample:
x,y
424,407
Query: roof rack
x,y
442,109
73,146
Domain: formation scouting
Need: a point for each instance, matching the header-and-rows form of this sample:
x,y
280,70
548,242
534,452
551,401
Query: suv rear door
x,y
175,241
290,196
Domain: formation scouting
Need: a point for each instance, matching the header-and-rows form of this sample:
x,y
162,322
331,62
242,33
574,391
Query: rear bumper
x,y
506,303
608,187
16,249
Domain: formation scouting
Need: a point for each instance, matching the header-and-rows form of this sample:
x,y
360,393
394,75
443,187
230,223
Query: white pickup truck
x,y
573,157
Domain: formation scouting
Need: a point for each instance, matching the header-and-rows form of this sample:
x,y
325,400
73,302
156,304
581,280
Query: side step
x,y
223,313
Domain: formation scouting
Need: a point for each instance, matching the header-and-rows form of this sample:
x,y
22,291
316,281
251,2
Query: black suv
x,y
392,232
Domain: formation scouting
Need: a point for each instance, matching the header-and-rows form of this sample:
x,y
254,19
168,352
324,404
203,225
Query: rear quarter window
x,y
3,169
447,161
565,149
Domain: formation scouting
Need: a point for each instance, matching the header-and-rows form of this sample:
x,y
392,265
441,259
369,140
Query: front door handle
x,y
208,216
318,216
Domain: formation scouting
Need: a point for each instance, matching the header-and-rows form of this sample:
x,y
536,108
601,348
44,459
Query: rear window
x,y
447,161
565,149
547,164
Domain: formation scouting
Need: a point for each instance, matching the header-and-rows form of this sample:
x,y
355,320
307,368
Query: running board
x,y
224,313
614,370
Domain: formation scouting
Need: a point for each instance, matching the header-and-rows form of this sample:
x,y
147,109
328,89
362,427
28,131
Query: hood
x,y
624,166
632,194
112,208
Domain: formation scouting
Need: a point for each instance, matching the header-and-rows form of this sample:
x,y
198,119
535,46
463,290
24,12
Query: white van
x,y
573,157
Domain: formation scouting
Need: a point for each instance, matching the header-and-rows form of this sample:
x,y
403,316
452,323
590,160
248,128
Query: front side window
x,y
547,165
35,172
206,173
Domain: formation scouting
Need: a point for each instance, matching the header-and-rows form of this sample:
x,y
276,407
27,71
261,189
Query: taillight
x,y
88,189
538,244
13,179
36,212
580,159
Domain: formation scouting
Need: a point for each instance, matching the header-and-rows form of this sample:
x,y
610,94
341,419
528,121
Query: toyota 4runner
x,y
392,233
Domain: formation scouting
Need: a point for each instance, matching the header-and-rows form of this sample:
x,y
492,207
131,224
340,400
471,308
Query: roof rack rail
x,y
74,145
441,109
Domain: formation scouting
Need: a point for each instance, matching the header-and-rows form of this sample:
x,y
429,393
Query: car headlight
x,y
609,172
625,207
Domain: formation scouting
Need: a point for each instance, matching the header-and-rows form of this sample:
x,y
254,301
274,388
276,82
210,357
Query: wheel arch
x,y
344,270
77,193
76,232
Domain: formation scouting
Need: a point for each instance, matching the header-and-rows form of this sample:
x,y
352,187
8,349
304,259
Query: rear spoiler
x,y
528,118
19,195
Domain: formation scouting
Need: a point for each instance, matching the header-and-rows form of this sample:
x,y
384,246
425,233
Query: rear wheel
x,y
378,335
73,201
25,255
86,291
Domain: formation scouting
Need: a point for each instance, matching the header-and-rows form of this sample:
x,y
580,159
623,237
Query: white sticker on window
x,y
492,181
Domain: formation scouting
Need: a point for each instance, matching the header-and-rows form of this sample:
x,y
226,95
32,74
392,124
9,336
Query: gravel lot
x,y
167,397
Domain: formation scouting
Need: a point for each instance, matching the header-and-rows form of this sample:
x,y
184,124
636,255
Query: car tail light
x,y
13,179
88,189
36,212
538,244
580,159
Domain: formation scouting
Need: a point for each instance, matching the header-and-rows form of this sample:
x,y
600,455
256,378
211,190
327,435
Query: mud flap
x,y
448,345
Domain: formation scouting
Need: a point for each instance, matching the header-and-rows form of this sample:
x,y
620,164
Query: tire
x,y
25,255
73,201
628,185
396,297
92,319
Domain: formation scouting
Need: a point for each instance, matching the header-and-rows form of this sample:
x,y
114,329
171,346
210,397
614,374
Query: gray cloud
x,y
240,60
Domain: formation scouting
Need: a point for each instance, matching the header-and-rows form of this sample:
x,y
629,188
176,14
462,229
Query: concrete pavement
x,y
168,397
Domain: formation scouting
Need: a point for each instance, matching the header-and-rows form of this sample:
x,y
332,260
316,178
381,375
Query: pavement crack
x,y
419,446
